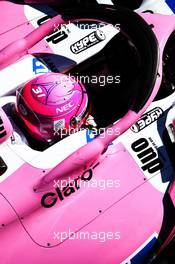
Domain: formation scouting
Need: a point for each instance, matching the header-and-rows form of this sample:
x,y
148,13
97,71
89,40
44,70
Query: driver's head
x,y
50,103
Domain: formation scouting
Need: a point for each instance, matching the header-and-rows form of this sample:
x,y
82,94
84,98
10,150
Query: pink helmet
x,y
50,103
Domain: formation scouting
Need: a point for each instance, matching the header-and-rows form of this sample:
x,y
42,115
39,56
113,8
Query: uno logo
x,y
147,119
60,32
88,41
147,156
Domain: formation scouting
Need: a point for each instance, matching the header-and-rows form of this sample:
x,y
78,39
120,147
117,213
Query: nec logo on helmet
x,y
88,41
64,108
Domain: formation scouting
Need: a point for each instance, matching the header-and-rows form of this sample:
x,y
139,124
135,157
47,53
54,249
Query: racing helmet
x,y
51,103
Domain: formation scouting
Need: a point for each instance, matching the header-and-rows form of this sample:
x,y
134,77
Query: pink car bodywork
x,y
132,213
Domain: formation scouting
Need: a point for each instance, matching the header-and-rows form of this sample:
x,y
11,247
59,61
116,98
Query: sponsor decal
x,y
60,33
3,133
59,124
88,41
38,66
146,154
50,199
90,135
147,119
64,108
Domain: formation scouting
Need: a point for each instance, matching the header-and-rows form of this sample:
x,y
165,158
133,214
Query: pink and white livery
x,y
104,194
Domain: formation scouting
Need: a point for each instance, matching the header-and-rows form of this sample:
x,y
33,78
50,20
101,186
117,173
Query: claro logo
x,y
147,119
147,156
88,41
50,199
